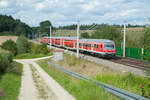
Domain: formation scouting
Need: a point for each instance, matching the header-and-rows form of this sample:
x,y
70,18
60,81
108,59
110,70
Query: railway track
x,y
142,65
132,63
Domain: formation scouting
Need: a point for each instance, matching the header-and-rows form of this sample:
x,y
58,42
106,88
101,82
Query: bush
x,y
39,49
43,49
5,62
11,46
23,46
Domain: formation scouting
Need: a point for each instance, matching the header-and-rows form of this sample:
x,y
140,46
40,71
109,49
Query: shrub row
x,y
5,61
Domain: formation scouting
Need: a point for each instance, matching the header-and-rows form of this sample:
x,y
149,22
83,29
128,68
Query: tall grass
x,y
10,82
81,90
130,82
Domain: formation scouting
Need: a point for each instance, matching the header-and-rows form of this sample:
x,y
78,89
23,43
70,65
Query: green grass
x,y
30,56
129,82
10,82
126,81
81,90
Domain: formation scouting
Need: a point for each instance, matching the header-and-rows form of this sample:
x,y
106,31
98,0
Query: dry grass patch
x,y
84,67
5,38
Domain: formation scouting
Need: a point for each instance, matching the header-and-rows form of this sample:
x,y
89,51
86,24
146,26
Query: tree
x,y
145,40
108,32
85,35
44,26
10,26
11,46
23,46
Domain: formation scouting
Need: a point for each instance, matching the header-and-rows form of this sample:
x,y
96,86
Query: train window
x,y
96,45
101,46
86,45
89,45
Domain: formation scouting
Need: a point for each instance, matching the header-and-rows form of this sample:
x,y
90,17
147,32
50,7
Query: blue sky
x,y
65,12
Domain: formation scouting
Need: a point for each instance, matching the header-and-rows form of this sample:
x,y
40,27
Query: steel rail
x,y
116,91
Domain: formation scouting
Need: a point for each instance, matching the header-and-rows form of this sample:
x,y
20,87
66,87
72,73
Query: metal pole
x,y
32,35
39,37
124,40
78,32
50,32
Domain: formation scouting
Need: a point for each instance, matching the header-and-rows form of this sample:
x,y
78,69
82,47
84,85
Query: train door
x,y
75,44
63,42
92,46
101,47
96,47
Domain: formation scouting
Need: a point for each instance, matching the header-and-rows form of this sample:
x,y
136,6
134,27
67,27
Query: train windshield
x,y
109,46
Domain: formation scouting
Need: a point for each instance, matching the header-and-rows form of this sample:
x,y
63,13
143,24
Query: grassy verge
x,y
81,90
29,56
10,82
126,81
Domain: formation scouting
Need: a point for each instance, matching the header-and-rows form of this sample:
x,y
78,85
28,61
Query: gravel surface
x,y
28,89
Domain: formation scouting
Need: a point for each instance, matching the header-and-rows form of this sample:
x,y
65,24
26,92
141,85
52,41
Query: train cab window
x,y
109,46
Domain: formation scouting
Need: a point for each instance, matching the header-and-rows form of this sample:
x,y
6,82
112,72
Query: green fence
x,y
134,53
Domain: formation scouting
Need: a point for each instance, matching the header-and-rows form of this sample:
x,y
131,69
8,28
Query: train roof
x,y
95,40
84,40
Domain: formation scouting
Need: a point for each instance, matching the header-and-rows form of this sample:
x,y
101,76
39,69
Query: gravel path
x,y
38,85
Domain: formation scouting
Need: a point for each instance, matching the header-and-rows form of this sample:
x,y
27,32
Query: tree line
x,y
93,26
11,26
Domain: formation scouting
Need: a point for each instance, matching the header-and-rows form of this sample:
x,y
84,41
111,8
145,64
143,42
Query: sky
x,y
66,12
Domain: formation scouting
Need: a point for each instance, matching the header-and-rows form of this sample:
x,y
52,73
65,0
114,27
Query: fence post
x,y
142,52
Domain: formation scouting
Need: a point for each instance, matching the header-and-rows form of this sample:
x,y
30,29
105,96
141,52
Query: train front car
x,y
109,50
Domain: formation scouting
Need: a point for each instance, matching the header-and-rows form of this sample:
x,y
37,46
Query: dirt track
x,y
41,87
4,38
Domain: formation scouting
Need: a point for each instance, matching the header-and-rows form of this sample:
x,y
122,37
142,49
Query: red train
x,y
100,47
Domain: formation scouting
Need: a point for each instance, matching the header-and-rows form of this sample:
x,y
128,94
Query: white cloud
x,y
128,12
40,6
4,3
68,11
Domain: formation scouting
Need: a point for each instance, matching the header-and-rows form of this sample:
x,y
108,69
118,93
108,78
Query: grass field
x,y
4,38
101,73
81,90
133,33
10,82
30,56
70,33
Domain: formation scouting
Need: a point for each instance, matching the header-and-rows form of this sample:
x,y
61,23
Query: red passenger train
x,y
101,47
